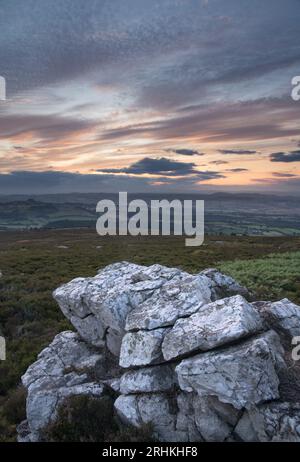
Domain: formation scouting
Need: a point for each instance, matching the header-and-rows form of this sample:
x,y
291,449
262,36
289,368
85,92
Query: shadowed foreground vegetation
x,y
34,263
92,420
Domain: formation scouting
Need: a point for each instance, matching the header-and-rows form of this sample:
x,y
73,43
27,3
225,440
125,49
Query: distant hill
x,y
225,213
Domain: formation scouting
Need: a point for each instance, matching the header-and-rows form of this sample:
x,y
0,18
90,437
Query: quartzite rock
x,y
142,348
215,324
62,370
241,375
146,320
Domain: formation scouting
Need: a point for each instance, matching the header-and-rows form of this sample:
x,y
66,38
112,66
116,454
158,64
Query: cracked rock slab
x,y
241,375
98,306
205,418
148,380
142,348
179,297
215,324
66,357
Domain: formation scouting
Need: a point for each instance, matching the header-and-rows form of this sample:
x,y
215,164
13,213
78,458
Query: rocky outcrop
x,y
132,295
243,375
283,315
63,369
187,353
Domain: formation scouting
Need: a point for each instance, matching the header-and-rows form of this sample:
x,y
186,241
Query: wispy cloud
x,y
219,162
237,170
284,175
186,152
240,152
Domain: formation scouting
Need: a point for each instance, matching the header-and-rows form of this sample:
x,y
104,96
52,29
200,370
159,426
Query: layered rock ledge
x,y
188,353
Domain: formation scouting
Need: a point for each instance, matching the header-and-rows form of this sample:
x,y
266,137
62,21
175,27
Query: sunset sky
x,y
140,95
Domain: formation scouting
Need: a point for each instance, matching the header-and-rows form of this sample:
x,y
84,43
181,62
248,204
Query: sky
x,y
140,96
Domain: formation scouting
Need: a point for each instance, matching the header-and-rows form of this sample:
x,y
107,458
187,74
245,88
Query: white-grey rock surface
x,y
283,316
142,348
223,286
205,418
279,422
62,370
133,295
213,325
148,380
241,375
181,296
156,409
186,353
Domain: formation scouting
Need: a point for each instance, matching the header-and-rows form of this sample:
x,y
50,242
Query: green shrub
x,y
82,419
88,419
14,408
271,278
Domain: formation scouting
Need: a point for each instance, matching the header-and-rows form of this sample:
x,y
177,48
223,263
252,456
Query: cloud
x,y
186,152
59,182
70,41
284,175
247,120
293,156
47,127
237,170
218,162
164,167
54,182
105,77
236,151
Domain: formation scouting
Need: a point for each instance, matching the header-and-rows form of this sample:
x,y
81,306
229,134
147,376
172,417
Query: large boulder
x,y
97,307
241,375
186,353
